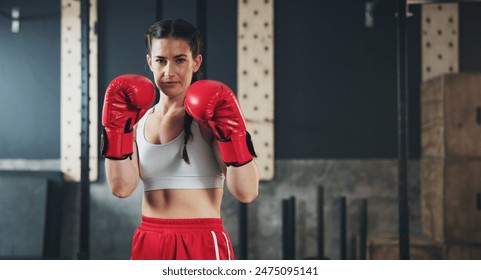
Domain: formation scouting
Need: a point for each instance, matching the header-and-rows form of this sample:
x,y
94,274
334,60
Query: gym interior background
x,y
335,130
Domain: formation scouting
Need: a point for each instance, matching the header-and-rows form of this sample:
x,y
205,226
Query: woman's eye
x,y
161,61
180,60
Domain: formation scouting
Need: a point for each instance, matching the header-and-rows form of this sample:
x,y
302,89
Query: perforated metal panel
x,y
255,77
71,91
440,51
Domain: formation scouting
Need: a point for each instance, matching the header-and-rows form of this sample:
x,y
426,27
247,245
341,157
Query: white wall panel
x,y
71,91
255,77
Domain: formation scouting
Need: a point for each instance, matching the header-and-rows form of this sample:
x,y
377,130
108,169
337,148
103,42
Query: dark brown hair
x,y
178,29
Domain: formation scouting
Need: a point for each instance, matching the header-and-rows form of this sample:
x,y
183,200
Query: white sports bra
x,y
161,166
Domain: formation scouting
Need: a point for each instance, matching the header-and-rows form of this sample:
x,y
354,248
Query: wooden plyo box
x,y
451,116
450,194
462,252
451,158
386,247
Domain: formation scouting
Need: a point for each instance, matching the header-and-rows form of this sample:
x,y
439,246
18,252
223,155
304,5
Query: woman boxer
x,y
183,148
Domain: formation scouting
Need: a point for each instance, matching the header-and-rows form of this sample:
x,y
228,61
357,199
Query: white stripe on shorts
x,y
216,246
227,244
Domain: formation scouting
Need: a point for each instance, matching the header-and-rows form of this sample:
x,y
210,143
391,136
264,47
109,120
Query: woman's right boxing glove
x,y
127,98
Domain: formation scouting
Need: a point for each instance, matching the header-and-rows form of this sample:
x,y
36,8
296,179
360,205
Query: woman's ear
x,y
197,63
149,62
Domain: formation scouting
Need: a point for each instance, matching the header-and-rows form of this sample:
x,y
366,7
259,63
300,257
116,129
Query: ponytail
x,y
187,135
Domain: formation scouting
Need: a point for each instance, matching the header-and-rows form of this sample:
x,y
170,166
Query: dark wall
x,y
335,78
121,28
470,37
121,49
29,80
221,41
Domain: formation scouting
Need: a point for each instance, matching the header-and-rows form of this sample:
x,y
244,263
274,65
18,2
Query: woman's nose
x,y
168,69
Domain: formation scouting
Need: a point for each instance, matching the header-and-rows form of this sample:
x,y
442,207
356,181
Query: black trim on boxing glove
x,y
103,142
250,145
104,145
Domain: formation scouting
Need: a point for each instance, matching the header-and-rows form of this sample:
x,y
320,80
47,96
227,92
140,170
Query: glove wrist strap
x,y
116,145
238,150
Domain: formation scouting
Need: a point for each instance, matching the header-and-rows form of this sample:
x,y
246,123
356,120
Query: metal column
x,y
289,228
84,175
320,223
243,231
403,151
343,227
363,226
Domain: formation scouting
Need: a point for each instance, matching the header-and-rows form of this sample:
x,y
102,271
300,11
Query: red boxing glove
x,y
127,98
214,105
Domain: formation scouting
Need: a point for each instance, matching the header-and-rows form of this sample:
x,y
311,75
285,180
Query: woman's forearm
x,y
122,177
243,182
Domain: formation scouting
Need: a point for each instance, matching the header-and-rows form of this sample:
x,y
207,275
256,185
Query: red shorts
x,y
181,239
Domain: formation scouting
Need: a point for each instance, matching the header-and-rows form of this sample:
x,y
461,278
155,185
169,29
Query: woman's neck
x,y
167,104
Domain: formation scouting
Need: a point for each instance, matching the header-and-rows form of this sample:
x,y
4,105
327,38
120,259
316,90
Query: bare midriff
x,y
182,203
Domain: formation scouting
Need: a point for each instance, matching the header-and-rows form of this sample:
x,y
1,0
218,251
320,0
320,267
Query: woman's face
x,y
172,64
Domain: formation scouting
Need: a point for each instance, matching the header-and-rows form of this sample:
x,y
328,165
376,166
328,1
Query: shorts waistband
x,y
160,224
